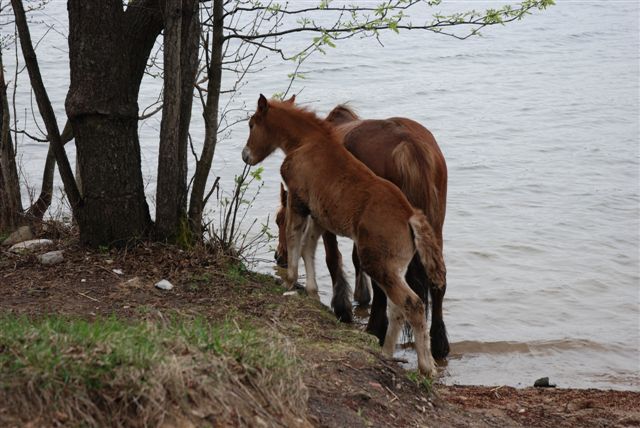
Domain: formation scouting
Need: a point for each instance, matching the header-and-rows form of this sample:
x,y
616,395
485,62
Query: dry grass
x,y
114,373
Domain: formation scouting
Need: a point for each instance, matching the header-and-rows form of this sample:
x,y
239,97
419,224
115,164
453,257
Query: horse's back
x,y
406,153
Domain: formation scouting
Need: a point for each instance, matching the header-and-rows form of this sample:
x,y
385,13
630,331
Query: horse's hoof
x,y
362,293
430,371
378,329
439,340
312,293
343,311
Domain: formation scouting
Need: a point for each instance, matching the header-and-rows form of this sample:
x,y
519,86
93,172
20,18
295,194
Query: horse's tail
x,y
429,249
413,164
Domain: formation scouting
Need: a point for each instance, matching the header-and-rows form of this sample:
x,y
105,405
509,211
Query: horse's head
x,y
281,218
263,138
340,115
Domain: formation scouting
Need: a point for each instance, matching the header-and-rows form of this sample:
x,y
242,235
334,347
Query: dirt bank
x,y
343,376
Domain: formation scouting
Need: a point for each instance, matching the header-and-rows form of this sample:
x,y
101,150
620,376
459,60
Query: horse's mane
x,y
342,111
306,115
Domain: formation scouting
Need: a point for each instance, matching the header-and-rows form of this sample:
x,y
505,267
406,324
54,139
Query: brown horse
x,y
331,190
405,153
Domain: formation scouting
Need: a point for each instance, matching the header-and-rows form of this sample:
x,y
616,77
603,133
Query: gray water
x,y
539,123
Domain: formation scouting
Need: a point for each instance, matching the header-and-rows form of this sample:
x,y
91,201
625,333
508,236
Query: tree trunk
x,y
180,67
42,204
108,50
10,199
203,166
44,107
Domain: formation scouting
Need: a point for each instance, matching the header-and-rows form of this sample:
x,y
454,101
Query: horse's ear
x,y
291,100
263,104
283,196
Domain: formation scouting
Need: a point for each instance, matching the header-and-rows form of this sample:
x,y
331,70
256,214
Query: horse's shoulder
x,y
291,160
285,168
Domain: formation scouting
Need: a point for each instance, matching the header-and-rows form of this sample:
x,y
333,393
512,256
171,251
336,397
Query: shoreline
x,y
338,368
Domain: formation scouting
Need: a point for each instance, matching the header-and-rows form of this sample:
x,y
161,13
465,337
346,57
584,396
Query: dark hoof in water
x,y
439,341
343,311
362,293
379,331
344,315
362,296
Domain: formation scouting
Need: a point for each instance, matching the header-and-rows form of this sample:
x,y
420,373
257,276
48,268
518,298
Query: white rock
x,y
290,293
164,285
21,234
31,245
118,271
51,258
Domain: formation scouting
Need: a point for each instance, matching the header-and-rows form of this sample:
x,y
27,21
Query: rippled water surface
x,y
539,123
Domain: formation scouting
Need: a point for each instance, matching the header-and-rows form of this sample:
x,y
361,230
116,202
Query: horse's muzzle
x,y
246,156
281,259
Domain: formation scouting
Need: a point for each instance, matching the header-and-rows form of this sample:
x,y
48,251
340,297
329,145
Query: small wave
x,y
522,248
506,347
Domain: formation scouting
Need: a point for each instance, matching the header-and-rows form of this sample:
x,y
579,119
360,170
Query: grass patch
x,y
136,373
420,380
237,273
196,282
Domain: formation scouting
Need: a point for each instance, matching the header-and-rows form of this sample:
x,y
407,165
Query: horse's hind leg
x,y
309,244
362,293
404,304
422,285
341,300
439,340
396,320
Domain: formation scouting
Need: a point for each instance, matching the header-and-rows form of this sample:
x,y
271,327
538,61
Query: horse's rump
x,y
412,162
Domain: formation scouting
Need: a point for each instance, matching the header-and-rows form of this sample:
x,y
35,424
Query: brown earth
x,y
349,383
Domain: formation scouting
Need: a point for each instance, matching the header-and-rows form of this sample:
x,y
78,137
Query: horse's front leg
x,y
378,321
341,300
309,244
295,226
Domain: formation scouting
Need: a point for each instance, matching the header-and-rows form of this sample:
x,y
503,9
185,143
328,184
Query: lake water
x,y
539,123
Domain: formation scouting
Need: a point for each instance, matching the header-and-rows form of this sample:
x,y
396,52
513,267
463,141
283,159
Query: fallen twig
x,y
88,297
395,397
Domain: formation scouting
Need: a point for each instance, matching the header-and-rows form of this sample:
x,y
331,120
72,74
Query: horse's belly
x,y
331,219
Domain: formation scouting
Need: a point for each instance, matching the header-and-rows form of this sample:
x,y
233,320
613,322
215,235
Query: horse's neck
x,y
302,131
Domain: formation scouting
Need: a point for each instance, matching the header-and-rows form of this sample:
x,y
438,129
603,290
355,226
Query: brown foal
x,y
331,190
405,153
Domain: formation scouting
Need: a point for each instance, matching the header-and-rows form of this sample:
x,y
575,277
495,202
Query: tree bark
x,y
180,67
203,166
10,199
108,50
